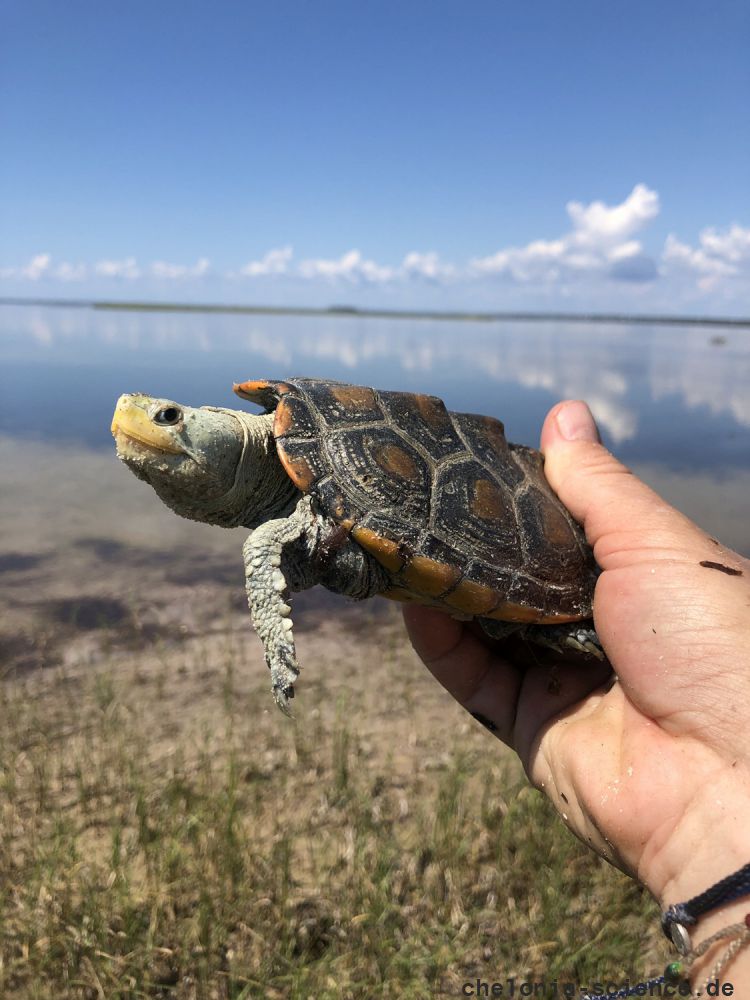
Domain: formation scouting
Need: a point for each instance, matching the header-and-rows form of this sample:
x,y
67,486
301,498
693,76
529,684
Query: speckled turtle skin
x,y
460,518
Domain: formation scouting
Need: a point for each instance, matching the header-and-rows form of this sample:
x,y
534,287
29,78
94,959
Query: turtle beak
x,y
131,420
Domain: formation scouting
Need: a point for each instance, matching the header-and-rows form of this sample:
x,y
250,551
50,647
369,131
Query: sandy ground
x,y
95,572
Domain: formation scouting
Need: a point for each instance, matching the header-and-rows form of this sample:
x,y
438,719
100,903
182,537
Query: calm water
x,y
674,402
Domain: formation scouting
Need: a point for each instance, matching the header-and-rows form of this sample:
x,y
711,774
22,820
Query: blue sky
x,y
482,155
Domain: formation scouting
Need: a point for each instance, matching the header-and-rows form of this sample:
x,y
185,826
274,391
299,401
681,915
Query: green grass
x,y
147,853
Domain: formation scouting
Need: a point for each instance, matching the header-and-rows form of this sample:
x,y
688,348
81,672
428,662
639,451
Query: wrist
x,y
711,842
716,960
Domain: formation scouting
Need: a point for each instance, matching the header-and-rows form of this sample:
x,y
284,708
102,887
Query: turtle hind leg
x,y
500,630
572,637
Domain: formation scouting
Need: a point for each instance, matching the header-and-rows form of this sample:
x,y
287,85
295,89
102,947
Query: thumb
x,y
622,517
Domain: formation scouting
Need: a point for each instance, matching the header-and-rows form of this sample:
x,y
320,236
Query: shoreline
x,y
346,311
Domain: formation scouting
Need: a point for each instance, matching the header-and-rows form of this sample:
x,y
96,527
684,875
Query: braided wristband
x,y
676,919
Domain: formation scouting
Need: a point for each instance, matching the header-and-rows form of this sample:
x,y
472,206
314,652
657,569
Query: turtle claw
x,y
282,696
284,672
572,638
585,640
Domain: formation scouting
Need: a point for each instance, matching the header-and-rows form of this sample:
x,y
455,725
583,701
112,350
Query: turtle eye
x,y
168,415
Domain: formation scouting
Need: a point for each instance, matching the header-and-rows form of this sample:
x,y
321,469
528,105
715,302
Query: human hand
x,y
651,769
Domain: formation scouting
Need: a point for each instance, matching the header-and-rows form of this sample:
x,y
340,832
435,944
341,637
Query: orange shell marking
x,y
426,576
473,598
556,528
396,462
260,390
283,419
297,469
384,550
354,397
489,503
509,612
432,411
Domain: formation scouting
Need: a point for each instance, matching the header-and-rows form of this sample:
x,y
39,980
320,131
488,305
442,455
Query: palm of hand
x,y
633,755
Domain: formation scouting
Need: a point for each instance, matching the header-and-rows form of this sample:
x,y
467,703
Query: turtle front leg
x,y
290,554
271,567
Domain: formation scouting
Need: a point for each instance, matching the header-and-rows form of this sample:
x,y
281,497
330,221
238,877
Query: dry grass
x,y
166,833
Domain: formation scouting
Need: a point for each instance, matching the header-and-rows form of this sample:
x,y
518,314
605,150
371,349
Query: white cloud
x,y
71,272
704,377
37,266
162,269
127,268
274,262
427,265
734,245
351,266
598,262
601,225
598,243
719,256
355,269
624,251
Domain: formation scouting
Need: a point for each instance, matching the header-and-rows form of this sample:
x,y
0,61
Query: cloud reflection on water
x,y
620,370
718,379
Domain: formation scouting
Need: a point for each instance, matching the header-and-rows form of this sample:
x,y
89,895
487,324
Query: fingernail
x,y
575,422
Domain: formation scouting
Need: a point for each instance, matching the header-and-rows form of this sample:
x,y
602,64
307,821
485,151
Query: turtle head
x,y
195,458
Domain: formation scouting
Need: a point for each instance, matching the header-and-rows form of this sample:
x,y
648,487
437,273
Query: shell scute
x,y
357,402
302,460
336,404
512,611
496,577
472,598
402,595
406,536
477,513
484,438
528,592
334,500
425,420
460,518
440,550
379,470
430,577
294,418
387,552
264,392
551,546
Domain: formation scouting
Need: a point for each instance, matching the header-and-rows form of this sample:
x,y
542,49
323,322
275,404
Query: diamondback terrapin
x,y
370,492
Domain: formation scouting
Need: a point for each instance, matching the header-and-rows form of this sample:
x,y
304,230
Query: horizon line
x,y
336,311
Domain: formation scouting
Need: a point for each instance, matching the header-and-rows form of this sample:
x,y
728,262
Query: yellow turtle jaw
x,y
133,421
